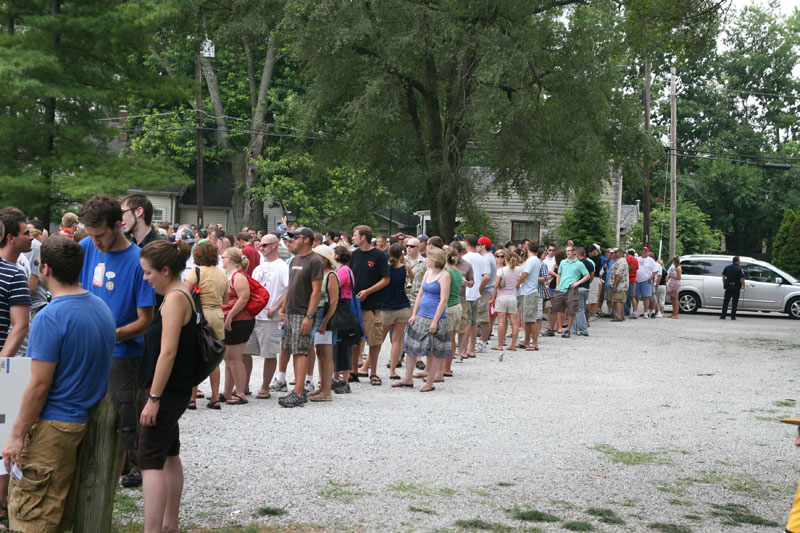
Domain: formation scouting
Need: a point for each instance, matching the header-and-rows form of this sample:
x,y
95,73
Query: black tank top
x,y
181,380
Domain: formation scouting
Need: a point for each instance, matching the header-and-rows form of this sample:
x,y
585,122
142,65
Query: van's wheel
x,y
689,302
793,308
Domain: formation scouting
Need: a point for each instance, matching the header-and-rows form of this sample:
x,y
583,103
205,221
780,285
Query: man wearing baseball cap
x,y
487,289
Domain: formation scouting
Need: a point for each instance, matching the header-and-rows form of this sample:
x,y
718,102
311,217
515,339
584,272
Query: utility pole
x,y
646,162
673,163
198,78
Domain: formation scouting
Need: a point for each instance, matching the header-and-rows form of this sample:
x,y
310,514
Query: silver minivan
x,y
768,287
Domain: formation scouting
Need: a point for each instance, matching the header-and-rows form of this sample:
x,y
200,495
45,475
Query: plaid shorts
x,y
296,342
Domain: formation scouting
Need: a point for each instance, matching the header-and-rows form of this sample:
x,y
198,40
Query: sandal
x,y
532,349
427,390
497,348
353,379
394,377
200,395
214,404
420,375
192,405
374,380
448,374
320,398
263,395
399,385
222,398
237,400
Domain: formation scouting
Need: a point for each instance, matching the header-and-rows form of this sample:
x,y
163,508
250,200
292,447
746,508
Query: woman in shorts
x,y
453,310
323,338
214,291
396,308
238,324
171,338
674,275
505,298
427,331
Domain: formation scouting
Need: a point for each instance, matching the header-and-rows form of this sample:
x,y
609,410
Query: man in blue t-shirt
x,y
71,343
111,271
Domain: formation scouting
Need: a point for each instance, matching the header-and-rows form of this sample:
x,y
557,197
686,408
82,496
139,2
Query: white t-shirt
x,y
647,267
550,261
491,268
479,268
274,276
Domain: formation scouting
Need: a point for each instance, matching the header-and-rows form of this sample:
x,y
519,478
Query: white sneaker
x,y
659,315
277,385
480,346
645,315
309,386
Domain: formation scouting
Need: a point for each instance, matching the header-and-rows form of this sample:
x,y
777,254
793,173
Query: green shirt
x,y
570,272
455,286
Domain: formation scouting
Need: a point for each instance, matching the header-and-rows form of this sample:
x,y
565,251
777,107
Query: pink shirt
x,y
344,274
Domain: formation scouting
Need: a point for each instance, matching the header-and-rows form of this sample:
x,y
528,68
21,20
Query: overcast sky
x,y
786,6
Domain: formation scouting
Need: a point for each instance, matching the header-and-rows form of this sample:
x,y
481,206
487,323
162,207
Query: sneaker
x,y
632,316
292,400
342,388
565,335
459,358
131,479
480,347
645,315
592,318
549,333
308,387
420,364
659,315
278,385
585,334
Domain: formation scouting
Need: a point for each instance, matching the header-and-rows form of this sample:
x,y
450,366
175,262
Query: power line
x,y
777,158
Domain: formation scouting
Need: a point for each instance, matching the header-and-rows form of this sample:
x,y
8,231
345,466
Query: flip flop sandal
x,y
427,390
222,398
192,405
353,379
438,380
214,405
200,395
375,381
401,385
237,400
263,395
394,377
320,399
362,374
448,374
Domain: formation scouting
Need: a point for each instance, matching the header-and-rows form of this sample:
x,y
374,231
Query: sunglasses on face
x,y
411,245
500,256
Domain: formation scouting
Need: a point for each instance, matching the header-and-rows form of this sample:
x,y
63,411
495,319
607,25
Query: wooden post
x,y
673,164
98,470
646,162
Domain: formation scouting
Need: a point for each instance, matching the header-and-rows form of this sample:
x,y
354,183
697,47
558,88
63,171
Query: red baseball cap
x,y
486,241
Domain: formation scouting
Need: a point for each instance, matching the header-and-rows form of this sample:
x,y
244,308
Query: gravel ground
x,y
697,398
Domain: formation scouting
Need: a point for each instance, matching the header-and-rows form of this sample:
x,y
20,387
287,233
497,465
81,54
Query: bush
x,y
786,250
476,221
587,222
693,233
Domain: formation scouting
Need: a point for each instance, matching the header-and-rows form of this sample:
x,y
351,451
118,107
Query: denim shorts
x,y
644,289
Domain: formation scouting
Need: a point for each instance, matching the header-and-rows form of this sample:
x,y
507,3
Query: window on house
x,y
524,229
158,215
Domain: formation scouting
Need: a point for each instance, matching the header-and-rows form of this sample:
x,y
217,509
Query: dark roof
x,y
398,216
215,193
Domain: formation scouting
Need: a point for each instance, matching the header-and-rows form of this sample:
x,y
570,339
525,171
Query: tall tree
x,y
415,86
65,68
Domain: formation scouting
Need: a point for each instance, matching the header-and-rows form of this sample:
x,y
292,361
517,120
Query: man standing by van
x,y
733,281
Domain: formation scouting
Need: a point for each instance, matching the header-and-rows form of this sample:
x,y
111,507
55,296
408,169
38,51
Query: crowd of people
x,y
109,309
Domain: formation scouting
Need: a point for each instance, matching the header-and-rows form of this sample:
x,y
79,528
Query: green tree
x,y
787,243
587,222
65,68
417,91
693,233
476,221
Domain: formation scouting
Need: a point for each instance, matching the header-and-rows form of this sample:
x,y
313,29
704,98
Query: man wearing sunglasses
x,y
418,267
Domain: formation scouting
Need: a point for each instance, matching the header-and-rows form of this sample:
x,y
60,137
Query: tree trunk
x,y
238,163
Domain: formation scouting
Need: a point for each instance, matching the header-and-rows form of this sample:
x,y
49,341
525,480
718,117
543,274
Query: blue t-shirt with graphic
x,y
117,279
77,332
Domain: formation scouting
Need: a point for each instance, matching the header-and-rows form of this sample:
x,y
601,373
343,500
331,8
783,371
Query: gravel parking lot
x,y
646,423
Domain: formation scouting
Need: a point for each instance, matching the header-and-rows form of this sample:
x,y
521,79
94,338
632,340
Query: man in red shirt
x,y
243,242
633,266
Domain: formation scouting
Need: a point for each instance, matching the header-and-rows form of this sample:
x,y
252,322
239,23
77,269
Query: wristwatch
x,y
154,397
309,316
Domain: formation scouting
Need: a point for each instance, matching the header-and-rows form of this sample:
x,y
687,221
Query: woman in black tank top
x,y
170,341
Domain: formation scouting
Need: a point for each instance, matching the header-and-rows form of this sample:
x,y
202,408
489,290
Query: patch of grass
x,y
340,492
772,418
735,514
784,403
578,526
447,491
130,527
532,515
411,488
568,505
415,509
477,523
676,501
607,516
628,502
126,504
665,486
695,517
504,484
738,482
271,511
629,457
669,528
771,344
479,492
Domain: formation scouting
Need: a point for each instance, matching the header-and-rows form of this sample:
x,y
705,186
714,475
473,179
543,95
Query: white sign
x,y
15,372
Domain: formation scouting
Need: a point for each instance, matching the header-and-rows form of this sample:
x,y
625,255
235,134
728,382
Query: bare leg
x,y
372,360
397,345
408,379
233,359
537,326
325,355
310,362
433,368
300,365
514,331
154,489
214,379
247,360
173,472
269,370
501,330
